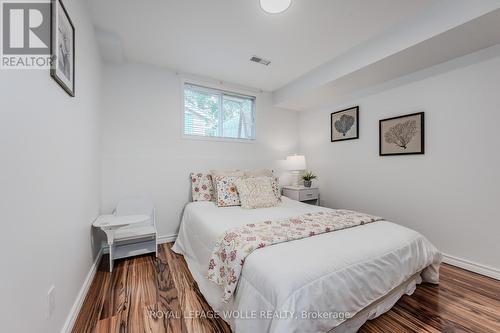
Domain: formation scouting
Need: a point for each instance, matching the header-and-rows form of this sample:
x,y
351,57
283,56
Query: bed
x,y
333,282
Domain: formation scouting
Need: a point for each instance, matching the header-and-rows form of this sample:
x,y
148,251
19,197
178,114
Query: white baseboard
x,y
472,266
75,309
166,239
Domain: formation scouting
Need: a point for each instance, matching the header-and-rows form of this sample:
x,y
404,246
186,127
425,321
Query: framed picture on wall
x,y
62,48
344,124
403,135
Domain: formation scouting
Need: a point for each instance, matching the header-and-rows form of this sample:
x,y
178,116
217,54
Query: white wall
x,y
451,194
49,185
143,152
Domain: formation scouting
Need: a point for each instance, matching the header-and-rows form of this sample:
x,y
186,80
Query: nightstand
x,y
304,194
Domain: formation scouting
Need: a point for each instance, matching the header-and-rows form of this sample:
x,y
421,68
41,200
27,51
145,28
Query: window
x,y
216,113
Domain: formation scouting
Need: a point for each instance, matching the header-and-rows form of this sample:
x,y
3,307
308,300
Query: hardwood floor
x,y
145,294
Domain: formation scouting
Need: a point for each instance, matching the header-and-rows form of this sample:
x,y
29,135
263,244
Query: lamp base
x,y
295,178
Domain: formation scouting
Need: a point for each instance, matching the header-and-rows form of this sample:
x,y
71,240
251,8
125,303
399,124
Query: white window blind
x,y
216,113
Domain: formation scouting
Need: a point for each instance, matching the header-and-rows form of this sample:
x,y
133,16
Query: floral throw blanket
x,y
236,244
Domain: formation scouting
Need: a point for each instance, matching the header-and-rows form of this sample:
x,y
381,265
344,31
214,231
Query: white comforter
x,y
325,275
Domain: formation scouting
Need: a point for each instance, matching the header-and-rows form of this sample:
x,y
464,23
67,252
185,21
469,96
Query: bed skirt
x,y
351,325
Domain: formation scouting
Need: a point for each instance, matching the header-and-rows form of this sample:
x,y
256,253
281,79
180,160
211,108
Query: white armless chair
x,y
136,239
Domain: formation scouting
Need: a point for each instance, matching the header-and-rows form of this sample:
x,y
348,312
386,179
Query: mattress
x,y
315,284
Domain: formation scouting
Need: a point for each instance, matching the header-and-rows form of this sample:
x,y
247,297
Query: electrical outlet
x,y
51,301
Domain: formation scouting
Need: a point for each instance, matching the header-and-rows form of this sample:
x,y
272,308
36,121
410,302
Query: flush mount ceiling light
x,y
275,6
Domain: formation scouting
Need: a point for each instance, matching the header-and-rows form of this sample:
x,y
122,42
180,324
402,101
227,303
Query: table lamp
x,y
296,163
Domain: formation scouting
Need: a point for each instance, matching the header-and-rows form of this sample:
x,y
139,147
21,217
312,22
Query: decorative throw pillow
x,y
227,193
222,173
230,173
259,173
275,184
256,192
201,187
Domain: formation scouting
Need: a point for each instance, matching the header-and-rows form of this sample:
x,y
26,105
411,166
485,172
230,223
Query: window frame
x,y
214,88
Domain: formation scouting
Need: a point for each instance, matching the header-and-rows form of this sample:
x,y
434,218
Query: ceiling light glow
x,y
275,6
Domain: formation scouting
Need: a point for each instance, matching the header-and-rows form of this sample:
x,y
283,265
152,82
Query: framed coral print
x,y
344,124
403,135
63,48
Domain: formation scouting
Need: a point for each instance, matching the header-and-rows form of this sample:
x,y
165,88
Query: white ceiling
x,y
216,38
479,34
450,29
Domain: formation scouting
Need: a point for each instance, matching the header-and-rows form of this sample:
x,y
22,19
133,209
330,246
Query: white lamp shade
x,y
275,6
296,162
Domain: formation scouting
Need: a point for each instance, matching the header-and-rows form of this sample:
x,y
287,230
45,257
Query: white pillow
x,y
229,173
275,183
259,173
256,192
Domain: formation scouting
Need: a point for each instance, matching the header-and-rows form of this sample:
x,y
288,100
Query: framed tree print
x,y
344,124
403,135
62,48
